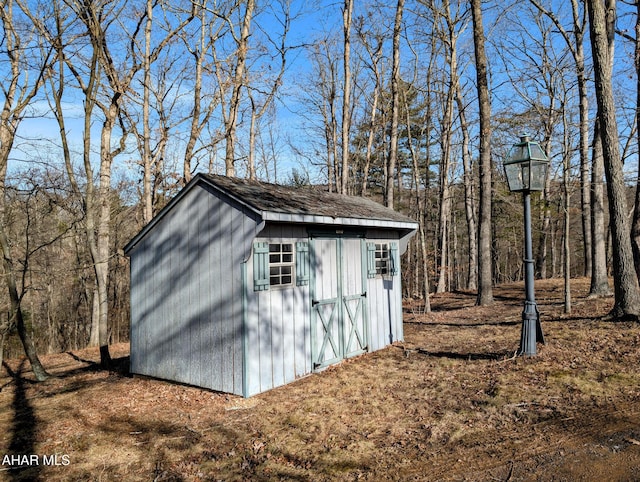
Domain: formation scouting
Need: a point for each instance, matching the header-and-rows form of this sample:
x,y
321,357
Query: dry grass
x,y
451,403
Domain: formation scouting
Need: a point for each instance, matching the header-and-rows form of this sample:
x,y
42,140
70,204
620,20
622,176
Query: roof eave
x,y
274,216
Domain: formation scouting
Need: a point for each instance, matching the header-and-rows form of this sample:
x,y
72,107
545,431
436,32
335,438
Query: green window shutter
x,y
371,260
260,266
394,259
302,263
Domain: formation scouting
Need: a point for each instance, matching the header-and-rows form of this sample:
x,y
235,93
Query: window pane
x,y
281,263
382,258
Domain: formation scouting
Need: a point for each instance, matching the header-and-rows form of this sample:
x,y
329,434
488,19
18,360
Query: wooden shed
x,y
242,286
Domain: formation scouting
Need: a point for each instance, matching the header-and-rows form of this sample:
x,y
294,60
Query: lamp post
x,y
526,171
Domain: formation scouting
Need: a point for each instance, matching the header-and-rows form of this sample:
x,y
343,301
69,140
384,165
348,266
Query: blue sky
x,y
312,20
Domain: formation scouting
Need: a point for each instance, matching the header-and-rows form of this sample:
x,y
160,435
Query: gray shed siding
x,y
278,320
277,324
384,299
186,293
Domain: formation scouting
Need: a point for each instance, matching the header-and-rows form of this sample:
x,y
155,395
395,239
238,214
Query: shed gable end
x,y
186,292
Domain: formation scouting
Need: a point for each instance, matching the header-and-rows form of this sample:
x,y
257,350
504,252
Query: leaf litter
x,y
451,402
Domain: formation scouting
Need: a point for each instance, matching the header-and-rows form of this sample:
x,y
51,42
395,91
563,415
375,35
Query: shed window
x,y
281,264
382,258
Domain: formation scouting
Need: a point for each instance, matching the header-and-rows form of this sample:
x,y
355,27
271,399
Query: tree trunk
x,y
147,190
395,108
375,53
238,80
420,201
635,226
102,248
94,334
15,299
545,213
251,163
485,289
469,204
543,248
566,188
196,122
599,232
444,215
370,139
585,187
346,95
626,288
4,331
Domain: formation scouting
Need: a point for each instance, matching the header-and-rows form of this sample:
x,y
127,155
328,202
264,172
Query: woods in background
x,y
110,107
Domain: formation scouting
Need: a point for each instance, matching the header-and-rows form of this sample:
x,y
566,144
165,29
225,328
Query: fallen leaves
x,y
450,401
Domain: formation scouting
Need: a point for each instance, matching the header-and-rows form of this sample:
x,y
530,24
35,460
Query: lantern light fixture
x,y
526,166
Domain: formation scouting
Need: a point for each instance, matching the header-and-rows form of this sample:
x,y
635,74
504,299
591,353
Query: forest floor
x,y
450,403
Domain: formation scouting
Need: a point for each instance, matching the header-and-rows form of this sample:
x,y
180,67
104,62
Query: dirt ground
x,y
450,403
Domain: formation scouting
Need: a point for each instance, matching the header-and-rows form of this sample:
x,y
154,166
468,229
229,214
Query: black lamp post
x,y
526,171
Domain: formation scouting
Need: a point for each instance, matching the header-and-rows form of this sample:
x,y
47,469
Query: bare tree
x,y
65,24
262,98
485,288
19,89
469,194
238,80
599,278
99,19
347,13
449,38
147,54
210,30
574,39
395,108
420,201
566,191
373,46
626,289
322,96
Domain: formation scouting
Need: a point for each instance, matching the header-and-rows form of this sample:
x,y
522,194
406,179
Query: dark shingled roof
x,y
306,200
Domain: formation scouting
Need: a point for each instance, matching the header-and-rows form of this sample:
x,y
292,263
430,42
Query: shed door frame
x,y
339,323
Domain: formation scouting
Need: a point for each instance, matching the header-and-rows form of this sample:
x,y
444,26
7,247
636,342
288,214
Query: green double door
x,y
338,290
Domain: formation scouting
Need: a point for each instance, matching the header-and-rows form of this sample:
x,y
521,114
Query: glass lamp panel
x,y
536,151
538,176
526,179
514,176
519,152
